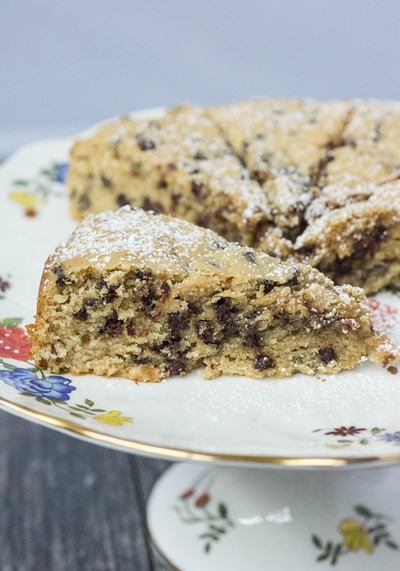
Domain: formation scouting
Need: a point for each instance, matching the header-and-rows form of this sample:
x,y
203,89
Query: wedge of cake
x,y
330,171
302,180
178,164
145,296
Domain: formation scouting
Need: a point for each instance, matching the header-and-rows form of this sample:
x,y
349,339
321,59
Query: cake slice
x,y
145,296
178,164
330,173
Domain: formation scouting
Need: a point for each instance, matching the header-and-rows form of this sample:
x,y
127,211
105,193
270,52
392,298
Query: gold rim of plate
x,y
169,453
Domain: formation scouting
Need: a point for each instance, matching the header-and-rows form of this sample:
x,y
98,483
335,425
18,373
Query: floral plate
x,y
352,417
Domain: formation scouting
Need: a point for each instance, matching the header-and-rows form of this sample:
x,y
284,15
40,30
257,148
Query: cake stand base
x,y
203,518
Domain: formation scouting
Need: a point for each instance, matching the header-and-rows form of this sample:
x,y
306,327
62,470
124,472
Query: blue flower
x,y
60,171
27,381
391,436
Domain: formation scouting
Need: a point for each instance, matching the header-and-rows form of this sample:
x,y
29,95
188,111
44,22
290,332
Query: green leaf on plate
x,y
11,322
316,541
77,415
43,400
7,365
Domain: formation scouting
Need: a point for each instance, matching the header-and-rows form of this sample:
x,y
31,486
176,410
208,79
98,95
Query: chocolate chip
x,y
327,354
251,335
203,220
197,187
206,331
122,200
194,171
224,310
111,294
112,326
107,182
90,302
199,156
177,365
294,279
146,144
162,183
149,204
178,323
392,369
83,202
367,242
262,362
297,207
258,175
250,257
362,246
175,199
143,275
171,167
102,284
61,276
81,315
149,301
268,286
165,288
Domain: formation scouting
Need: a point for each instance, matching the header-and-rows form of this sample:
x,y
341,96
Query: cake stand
x,y
297,473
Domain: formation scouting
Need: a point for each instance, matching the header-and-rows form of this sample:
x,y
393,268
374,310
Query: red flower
x,y
14,343
383,315
187,493
345,431
202,500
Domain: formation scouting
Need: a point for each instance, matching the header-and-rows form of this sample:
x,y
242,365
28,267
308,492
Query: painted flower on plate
x,y
113,417
26,381
345,431
391,436
202,500
4,285
25,199
60,172
355,536
14,343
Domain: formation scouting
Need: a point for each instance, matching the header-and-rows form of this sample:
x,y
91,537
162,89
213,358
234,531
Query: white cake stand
x,y
216,518
283,478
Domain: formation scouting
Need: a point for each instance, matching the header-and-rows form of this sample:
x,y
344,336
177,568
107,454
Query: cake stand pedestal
x,y
203,518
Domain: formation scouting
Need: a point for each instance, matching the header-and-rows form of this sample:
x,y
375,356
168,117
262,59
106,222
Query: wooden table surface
x,y
66,505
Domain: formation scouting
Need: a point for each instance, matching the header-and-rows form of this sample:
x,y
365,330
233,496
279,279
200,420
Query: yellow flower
x,y
112,417
25,199
354,535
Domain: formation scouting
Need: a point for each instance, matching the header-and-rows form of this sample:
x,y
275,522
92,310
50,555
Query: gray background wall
x,y
67,64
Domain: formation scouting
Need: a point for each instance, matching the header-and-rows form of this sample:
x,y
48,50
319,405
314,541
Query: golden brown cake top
x,y
133,238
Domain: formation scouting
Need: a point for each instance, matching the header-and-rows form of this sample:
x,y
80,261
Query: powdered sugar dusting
x,y
135,238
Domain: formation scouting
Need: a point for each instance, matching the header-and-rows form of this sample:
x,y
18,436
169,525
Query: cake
x,y
146,296
302,180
